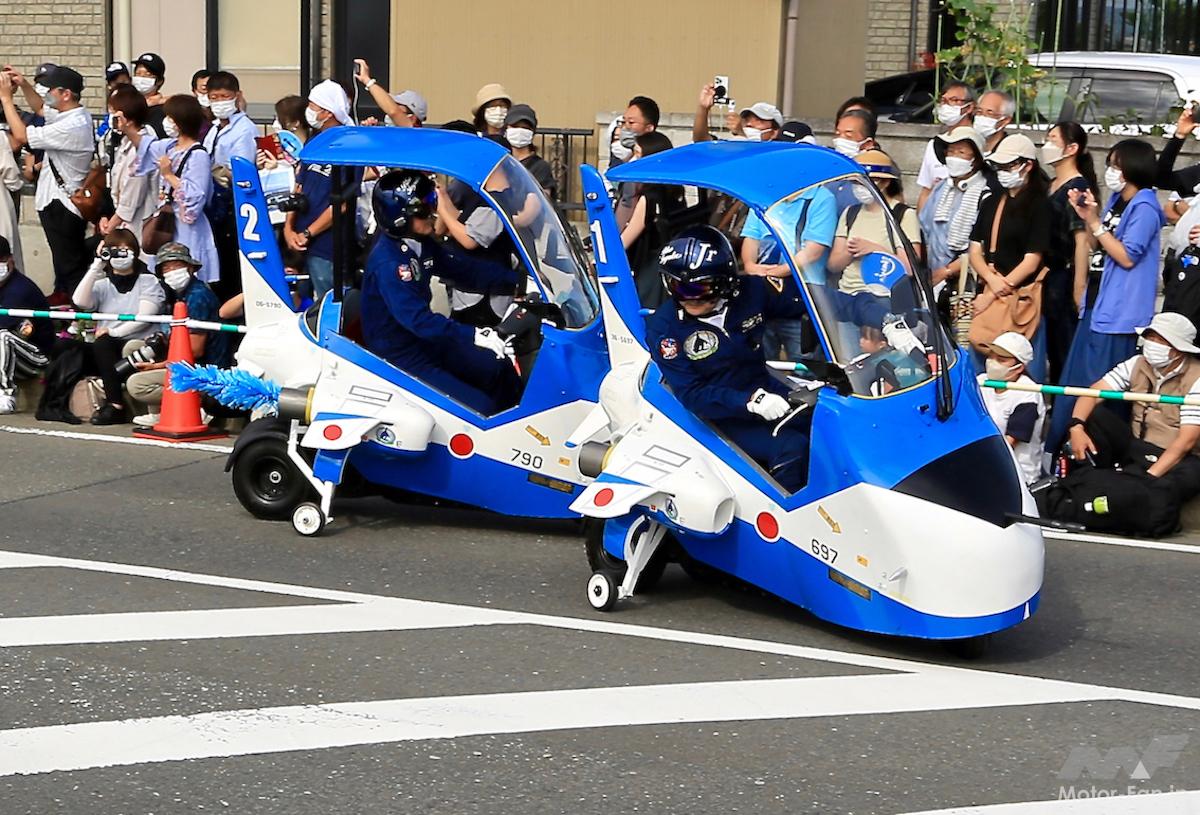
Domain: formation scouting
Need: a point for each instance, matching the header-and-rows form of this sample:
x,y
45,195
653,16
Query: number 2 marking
x,y
598,242
251,215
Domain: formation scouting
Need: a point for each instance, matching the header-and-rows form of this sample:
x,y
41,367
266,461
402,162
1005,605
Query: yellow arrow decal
x,y
834,525
533,431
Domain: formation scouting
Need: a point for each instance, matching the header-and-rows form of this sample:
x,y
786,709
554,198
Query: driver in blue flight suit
x,y
468,364
707,340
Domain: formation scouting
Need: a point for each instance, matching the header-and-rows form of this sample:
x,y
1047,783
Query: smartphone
x,y
720,90
270,144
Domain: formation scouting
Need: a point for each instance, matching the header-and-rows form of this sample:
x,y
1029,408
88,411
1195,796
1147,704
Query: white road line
x,y
1167,803
317,727
1132,543
67,434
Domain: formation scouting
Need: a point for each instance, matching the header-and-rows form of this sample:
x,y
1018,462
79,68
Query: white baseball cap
x,y
1012,344
764,110
1175,329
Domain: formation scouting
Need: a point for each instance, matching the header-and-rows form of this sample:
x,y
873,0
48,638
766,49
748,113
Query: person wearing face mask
x,y
653,206
854,133
24,344
1123,278
1161,440
948,215
149,73
955,109
521,127
761,122
491,109
1019,218
68,141
231,136
309,231
863,227
178,268
993,115
117,282
200,90
1018,414
135,194
116,75
1065,151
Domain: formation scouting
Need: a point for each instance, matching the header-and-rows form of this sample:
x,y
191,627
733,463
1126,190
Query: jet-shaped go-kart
x,y
913,520
345,412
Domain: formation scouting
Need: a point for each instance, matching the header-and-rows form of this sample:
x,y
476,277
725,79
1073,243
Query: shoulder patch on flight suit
x,y
409,271
701,345
669,348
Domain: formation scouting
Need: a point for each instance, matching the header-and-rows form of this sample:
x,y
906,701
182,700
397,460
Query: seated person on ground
x,y
467,363
1019,415
24,343
175,264
1161,440
707,340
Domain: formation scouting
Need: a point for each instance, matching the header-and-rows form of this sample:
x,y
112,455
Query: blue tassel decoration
x,y
232,387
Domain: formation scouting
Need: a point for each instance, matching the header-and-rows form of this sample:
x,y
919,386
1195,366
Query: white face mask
x,y
224,109
121,263
41,90
620,151
143,84
959,166
998,370
49,100
1011,179
495,115
751,133
863,195
519,136
5,271
847,147
950,115
313,118
986,126
1114,179
1052,153
170,128
177,279
202,98
1157,354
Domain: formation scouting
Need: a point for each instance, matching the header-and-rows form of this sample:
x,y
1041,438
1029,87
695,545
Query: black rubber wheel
x,y
971,648
600,560
267,483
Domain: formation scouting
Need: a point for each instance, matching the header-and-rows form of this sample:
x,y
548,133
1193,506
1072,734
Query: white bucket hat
x,y
1176,329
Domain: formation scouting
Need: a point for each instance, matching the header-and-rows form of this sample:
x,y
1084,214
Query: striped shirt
x,y
1120,377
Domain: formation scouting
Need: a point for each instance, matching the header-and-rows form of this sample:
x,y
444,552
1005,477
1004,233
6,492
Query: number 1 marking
x,y
598,243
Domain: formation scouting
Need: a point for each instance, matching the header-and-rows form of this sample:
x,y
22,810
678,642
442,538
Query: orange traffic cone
x,y
179,418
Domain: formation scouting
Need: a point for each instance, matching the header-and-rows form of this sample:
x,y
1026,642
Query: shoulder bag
x,y
159,228
1020,311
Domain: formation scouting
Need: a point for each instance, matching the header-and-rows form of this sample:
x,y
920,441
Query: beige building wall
x,y
830,39
67,33
172,29
570,58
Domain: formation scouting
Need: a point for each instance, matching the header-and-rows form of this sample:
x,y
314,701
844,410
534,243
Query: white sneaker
x,y
900,336
148,420
8,402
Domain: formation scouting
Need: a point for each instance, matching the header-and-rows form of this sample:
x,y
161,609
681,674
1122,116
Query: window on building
x,y
260,42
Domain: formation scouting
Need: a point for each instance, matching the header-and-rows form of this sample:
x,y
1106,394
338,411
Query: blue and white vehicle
x,y
913,521
345,413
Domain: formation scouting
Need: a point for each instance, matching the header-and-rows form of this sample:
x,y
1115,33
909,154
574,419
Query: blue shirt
x,y
234,139
397,322
818,208
1126,297
712,370
202,304
21,292
316,181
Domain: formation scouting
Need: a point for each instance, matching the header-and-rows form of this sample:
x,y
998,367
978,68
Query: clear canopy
x,y
873,316
558,262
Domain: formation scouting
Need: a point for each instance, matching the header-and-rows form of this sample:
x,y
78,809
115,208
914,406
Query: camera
x,y
297,202
721,90
154,350
108,253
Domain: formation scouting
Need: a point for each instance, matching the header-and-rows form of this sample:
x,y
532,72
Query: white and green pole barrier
x,y
161,319
1095,393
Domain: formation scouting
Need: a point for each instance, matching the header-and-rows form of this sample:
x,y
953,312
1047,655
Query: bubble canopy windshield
x,y
857,271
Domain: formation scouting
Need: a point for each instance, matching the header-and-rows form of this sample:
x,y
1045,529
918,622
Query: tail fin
x,y
263,281
623,323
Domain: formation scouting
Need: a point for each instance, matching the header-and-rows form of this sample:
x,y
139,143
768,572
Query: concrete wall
x,y
68,33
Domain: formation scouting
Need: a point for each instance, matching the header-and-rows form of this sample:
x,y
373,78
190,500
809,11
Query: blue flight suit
x,y
399,325
715,371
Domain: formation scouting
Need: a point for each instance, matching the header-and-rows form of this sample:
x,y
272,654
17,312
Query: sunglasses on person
x,y
690,289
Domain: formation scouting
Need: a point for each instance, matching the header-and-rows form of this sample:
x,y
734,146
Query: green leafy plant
x,y
993,47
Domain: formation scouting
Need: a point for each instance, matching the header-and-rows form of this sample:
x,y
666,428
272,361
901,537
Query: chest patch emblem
x,y
701,345
669,348
750,322
410,271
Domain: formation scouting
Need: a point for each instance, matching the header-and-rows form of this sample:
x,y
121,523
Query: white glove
x,y
771,406
488,339
97,270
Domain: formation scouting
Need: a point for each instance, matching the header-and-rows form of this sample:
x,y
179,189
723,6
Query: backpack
x,y
1117,501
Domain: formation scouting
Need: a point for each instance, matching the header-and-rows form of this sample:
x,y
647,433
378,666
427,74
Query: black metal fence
x,y
1155,26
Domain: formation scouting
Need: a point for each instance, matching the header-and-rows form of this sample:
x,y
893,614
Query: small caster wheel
x,y
308,519
602,591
